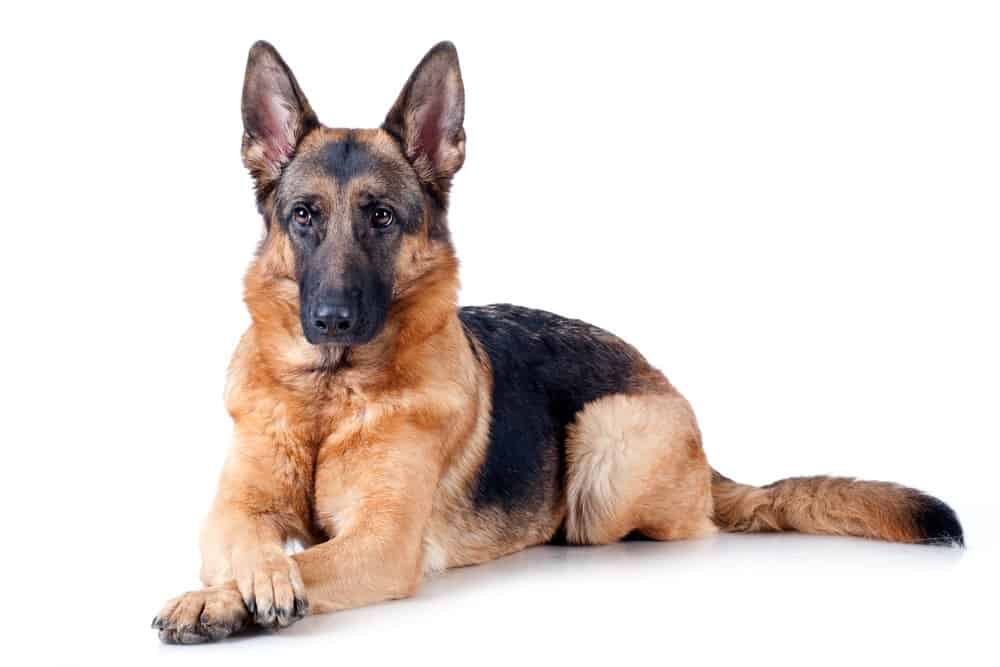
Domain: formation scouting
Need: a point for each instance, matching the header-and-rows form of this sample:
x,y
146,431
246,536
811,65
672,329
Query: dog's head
x,y
353,217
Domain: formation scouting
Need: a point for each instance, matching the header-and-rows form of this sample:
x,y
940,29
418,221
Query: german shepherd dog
x,y
394,434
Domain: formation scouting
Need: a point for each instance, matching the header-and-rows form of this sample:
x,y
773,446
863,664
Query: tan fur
x,y
819,505
636,463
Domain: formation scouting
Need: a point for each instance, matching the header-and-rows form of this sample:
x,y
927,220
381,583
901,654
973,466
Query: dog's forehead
x,y
334,158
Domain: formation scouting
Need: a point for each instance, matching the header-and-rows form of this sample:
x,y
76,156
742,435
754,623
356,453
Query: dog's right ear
x,y
276,115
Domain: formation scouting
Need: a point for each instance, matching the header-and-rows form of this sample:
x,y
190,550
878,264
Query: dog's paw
x,y
210,614
271,586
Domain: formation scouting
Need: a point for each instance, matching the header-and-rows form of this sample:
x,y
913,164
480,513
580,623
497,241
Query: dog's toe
x,y
210,614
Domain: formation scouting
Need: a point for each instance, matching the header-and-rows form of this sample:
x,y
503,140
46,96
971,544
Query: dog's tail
x,y
835,506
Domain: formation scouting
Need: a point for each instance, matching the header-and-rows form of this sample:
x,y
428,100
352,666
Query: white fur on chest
x,y
435,556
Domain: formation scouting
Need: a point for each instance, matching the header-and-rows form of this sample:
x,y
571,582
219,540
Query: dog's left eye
x,y
302,216
381,217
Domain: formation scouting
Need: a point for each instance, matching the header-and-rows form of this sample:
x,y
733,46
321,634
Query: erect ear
x,y
427,118
276,115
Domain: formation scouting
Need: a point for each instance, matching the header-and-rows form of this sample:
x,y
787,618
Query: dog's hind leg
x,y
635,463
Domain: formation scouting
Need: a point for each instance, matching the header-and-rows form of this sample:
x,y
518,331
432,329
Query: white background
x,y
791,208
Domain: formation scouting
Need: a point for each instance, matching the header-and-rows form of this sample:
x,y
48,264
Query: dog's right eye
x,y
301,215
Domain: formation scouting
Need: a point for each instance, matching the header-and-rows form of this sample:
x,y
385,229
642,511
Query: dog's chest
x,y
334,496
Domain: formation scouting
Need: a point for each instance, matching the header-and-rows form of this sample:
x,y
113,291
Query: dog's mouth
x,y
338,341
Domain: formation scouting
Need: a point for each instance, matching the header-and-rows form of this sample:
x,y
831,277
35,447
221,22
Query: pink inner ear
x,y
430,134
277,142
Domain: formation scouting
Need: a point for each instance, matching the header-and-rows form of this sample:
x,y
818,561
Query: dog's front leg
x,y
262,501
375,499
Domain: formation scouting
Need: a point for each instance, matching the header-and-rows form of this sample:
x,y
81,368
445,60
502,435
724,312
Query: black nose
x,y
332,319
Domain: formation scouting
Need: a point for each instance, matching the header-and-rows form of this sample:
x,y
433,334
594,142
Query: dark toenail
x,y
301,607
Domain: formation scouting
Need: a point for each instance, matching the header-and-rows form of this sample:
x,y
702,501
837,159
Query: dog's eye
x,y
302,216
381,217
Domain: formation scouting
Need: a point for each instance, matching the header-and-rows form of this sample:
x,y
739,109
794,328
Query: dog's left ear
x,y
427,118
